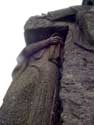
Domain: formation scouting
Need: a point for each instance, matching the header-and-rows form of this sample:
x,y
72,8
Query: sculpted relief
x,y
53,82
33,96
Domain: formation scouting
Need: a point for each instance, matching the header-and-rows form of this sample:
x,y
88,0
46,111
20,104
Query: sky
x,y
13,15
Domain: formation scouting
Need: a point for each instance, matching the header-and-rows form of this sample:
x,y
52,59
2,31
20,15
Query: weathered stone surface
x,y
87,26
85,21
61,14
66,15
52,18
41,27
77,84
88,2
33,97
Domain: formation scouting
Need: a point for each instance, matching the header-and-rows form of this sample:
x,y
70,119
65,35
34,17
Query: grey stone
x,y
41,27
40,33
88,2
67,15
77,84
33,97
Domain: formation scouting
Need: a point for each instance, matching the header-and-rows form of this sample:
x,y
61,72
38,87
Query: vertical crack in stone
x,y
58,108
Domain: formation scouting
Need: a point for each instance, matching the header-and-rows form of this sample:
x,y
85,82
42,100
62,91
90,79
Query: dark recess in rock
x,y
70,18
34,35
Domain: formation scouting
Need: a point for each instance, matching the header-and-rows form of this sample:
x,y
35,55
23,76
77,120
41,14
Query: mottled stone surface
x,y
86,25
77,84
88,2
33,96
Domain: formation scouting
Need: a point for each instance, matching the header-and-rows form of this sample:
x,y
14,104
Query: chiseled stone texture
x,y
77,84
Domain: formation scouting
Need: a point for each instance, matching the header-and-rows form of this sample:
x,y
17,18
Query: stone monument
x,y
53,82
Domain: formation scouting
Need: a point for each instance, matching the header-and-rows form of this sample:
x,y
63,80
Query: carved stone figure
x,y
30,50
49,69
32,98
77,89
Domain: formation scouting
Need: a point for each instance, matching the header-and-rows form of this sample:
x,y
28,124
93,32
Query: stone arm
x,y
88,2
33,97
28,51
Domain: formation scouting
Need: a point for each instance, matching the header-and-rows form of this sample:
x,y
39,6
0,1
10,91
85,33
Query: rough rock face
x,y
77,84
77,87
38,84
33,97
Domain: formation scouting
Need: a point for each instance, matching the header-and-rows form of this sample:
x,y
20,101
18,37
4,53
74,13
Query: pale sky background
x,y
13,15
